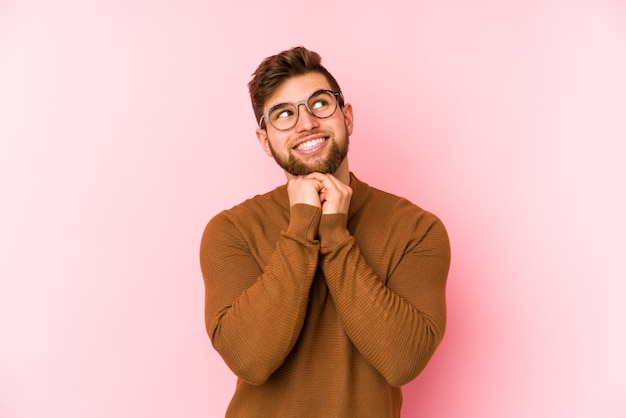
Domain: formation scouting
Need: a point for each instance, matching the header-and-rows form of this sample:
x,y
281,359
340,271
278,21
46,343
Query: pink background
x,y
126,125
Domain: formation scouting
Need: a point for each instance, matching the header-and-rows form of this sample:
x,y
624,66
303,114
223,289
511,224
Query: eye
x,y
320,100
284,114
319,103
281,112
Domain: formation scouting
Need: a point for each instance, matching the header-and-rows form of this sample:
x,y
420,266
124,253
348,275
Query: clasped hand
x,y
321,190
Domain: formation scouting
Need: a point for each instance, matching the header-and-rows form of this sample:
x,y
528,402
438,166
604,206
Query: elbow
x,y
400,376
247,365
248,362
252,373
412,363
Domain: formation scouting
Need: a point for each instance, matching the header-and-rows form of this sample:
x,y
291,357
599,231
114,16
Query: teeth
x,y
309,144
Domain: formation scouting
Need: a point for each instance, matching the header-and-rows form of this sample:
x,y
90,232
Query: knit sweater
x,y
324,315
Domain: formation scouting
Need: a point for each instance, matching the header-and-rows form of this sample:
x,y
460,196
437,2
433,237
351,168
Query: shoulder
x,y
397,214
259,210
394,207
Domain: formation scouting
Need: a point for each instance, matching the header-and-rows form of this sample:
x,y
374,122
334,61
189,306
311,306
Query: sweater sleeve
x,y
396,322
254,313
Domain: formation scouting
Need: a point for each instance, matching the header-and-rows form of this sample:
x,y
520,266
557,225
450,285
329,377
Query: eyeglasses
x,y
322,104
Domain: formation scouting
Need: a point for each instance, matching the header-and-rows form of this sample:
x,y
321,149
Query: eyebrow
x,y
299,101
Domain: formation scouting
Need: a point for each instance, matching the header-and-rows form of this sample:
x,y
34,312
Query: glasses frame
x,y
336,94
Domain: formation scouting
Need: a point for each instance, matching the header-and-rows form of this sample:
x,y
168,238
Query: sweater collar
x,y
360,193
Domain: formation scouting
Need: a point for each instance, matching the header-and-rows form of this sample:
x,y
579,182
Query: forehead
x,y
298,88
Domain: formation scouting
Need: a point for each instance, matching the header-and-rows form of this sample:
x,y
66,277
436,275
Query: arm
x,y
254,313
396,322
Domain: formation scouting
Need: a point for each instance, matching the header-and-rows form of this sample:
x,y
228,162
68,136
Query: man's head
x,y
303,121
274,70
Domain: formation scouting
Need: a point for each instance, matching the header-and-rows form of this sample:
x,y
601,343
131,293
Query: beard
x,y
296,167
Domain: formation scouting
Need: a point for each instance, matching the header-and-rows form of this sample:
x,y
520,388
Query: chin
x,y
327,165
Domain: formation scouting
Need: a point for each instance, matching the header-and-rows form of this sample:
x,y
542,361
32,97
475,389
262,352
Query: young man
x,y
325,295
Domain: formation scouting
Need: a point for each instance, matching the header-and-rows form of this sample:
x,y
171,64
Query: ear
x,y
348,117
261,135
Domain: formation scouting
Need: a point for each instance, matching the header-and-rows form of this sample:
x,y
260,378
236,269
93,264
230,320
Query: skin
x,y
330,191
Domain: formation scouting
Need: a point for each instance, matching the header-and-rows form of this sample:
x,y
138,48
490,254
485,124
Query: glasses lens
x,y
282,116
322,104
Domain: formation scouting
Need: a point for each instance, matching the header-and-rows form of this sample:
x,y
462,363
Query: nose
x,y
306,121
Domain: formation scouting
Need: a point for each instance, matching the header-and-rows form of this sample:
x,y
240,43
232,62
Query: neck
x,y
343,172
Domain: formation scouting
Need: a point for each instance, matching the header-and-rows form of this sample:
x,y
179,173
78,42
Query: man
x,y
325,295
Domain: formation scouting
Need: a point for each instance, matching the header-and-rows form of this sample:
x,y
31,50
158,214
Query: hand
x,y
334,195
304,190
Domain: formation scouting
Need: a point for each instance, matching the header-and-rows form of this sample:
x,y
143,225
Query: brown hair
x,y
274,70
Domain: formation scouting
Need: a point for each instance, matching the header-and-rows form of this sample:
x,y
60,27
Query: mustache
x,y
311,133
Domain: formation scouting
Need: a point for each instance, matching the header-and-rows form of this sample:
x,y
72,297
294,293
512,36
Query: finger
x,y
316,175
335,181
325,179
301,181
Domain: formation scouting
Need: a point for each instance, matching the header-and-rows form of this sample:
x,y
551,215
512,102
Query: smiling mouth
x,y
309,145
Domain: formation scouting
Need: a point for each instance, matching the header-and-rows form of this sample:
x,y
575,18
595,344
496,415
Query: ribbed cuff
x,y
332,229
304,221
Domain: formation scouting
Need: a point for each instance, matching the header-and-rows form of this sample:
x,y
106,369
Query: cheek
x,y
347,126
272,144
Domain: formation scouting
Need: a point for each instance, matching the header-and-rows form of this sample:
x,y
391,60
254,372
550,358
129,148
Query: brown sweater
x,y
315,330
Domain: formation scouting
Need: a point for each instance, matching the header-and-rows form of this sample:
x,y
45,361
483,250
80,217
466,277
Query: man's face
x,y
312,145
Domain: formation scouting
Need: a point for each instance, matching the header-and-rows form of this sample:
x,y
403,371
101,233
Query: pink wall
x,y
125,125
